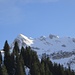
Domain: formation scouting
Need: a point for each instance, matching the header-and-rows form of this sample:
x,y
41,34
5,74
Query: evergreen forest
x,y
16,60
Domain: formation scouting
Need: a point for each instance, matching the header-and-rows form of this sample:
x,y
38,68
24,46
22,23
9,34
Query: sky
x,y
35,18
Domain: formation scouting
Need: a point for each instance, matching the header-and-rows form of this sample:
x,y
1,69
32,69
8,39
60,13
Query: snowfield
x,y
60,49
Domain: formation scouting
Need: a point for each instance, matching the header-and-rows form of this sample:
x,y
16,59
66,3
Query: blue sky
x,y
34,18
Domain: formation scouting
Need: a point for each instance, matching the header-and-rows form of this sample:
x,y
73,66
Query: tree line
x,y
14,63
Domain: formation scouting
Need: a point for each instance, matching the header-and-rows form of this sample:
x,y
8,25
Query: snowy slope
x,y
60,49
22,41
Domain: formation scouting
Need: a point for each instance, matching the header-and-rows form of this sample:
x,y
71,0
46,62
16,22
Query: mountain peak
x,y
57,48
22,41
25,39
53,36
22,36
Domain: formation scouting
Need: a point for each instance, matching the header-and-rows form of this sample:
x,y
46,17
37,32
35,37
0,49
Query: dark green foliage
x,y
45,61
42,69
19,66
16,48
15,62
29,56
3,70
35,69
19,62
8,61
6,46
7,57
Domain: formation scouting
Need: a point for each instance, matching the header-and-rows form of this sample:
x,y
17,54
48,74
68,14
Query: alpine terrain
x,y
59,49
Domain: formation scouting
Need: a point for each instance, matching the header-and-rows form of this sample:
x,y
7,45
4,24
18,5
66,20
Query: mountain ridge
x,y
59,49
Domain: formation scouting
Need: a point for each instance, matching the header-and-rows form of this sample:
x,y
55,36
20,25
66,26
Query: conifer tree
x,y
35,69
6,47
12,64
19,70
0,70
8,64
42,69
16,48
22,63
19,62
3,70
47,71
22,50
23,53
7,56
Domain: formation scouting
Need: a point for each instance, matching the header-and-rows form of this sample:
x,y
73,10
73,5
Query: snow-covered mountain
x,y
59,49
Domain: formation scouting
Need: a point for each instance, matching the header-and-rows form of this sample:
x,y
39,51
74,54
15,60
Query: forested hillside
x,y
15,61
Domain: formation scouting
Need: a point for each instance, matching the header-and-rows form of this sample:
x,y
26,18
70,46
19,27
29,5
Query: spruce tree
x,y
6,47
35,69
23,53
19,70
22,64
7,56
4,70
42,69
16,48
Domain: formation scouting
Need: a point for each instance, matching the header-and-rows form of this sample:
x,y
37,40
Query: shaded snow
x,y
2,53
27,70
